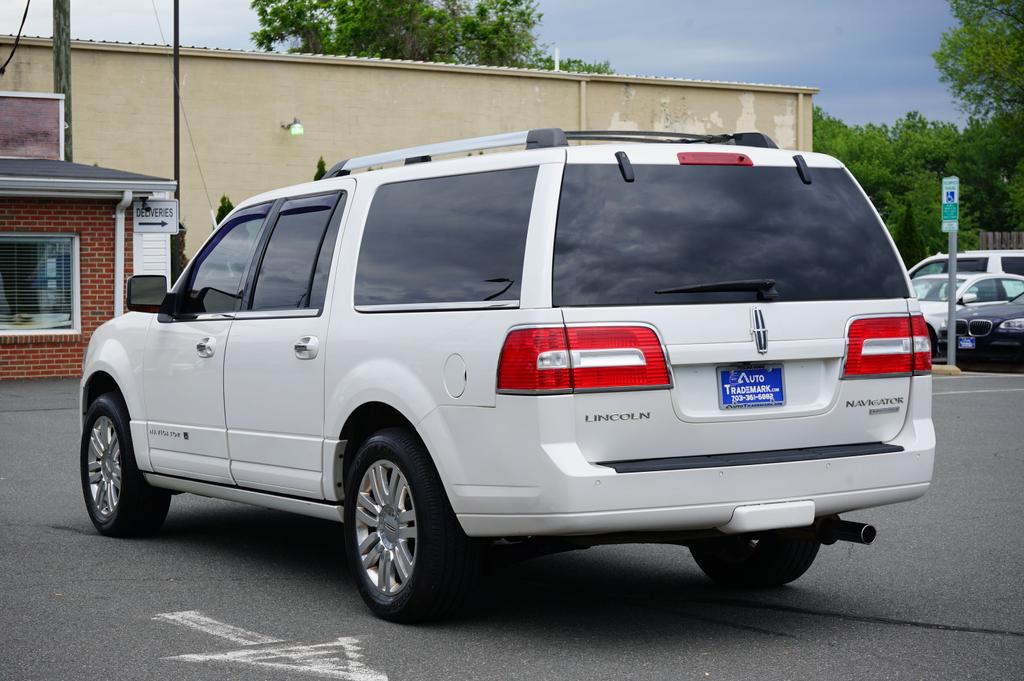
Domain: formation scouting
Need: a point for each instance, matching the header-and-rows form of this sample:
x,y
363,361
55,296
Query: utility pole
x,y
177,241
62,64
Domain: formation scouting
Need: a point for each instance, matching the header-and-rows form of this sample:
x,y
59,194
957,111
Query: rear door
x,y
274,367
752,370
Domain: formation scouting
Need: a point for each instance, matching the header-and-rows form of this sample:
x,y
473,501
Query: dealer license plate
x,y
750,387
966,342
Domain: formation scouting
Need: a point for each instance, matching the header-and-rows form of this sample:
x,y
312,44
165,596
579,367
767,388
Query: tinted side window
x,y
446,240
987,290
285,276
1013,265
930,268
970,265
1012,288
216,279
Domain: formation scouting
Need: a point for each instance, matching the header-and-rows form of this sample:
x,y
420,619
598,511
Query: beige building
x,y
236,102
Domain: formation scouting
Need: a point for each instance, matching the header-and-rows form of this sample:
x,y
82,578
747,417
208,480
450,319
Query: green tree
x,y
224,208
572,65
903,163
495,32
321,169
908,236
982,59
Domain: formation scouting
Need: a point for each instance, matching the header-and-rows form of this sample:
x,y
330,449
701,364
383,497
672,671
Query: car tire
x,y
755,561
405,548
119,500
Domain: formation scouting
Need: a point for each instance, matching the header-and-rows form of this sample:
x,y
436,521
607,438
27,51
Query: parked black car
x,y
993,333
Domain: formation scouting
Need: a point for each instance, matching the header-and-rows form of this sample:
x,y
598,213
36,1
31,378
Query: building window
x,y
38,283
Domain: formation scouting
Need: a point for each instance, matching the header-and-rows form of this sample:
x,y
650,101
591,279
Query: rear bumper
x,y
678,518
551,489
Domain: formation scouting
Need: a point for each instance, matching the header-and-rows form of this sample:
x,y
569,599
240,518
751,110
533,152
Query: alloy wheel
x,y
385,524
104,467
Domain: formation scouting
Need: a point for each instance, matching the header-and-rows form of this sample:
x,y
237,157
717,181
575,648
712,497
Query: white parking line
x,y
978,374
193,619
992,390
339,659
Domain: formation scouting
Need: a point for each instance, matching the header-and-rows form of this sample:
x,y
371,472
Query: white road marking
x,y
339,659
993,390
979,374
193,619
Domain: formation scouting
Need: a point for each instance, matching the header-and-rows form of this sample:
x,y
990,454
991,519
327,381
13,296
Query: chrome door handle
x,y
307,347
206,347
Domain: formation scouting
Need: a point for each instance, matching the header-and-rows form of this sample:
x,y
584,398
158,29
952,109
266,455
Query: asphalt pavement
x,y
234,592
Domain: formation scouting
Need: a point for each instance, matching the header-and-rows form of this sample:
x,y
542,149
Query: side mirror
x,y
968,298
146,292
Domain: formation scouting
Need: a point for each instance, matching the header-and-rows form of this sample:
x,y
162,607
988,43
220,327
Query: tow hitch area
x,y
759,517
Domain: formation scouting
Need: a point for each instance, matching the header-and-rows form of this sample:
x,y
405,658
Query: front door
x,y
274,371
183,366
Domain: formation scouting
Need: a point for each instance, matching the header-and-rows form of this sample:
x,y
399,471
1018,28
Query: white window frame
x,y
76,289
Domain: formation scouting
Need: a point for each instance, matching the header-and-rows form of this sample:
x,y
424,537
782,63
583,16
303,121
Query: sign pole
x,y
951,313
950,225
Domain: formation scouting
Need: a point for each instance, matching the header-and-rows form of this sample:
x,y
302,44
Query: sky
x,y
870,58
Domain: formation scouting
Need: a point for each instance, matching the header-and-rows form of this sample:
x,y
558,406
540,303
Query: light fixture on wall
x,y
294,128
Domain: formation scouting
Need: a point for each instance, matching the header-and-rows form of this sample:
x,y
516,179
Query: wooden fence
x,y
1001,240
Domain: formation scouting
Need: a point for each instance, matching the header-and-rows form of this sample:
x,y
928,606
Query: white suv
x,y
658,338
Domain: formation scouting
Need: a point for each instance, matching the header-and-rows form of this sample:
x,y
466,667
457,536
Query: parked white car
x,y
973,290
660,338
972,262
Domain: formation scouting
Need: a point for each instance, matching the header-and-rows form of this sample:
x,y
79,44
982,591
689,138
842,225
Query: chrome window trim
x,y
277,314
440,307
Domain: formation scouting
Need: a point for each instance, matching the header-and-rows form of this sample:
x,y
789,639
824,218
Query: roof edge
x,y
50,186
227,53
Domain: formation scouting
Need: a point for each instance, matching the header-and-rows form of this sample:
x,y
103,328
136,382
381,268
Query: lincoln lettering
x,y
625,416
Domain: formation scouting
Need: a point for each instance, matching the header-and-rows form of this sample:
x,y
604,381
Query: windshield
x,y
680,235
934,290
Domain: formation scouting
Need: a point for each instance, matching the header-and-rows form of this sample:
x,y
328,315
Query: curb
x,y
946,370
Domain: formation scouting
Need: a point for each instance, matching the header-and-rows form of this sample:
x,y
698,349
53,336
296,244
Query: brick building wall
x,y
54,355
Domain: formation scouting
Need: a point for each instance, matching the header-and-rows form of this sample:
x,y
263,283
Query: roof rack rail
x,y
746,139
533,139
541,138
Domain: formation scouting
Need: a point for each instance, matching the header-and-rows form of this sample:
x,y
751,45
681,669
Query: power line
x,y
17,39
184,114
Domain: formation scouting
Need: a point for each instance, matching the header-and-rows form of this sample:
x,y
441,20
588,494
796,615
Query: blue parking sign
x,y
951,197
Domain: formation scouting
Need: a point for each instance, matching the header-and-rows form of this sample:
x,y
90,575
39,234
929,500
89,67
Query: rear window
x,y
446,240
618,242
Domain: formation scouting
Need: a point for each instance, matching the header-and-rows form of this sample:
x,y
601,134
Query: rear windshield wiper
x,y
765,288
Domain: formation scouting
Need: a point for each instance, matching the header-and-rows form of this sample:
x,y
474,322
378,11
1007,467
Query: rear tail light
x,y
581,359
535,361
888,346
922,345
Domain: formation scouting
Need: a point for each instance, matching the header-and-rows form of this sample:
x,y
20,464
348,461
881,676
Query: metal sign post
x,y
950,225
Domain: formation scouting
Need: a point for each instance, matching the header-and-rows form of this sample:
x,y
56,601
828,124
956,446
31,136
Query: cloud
x,y
871,58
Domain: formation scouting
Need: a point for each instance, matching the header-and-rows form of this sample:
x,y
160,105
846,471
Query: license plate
x,y
966,343
750,387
